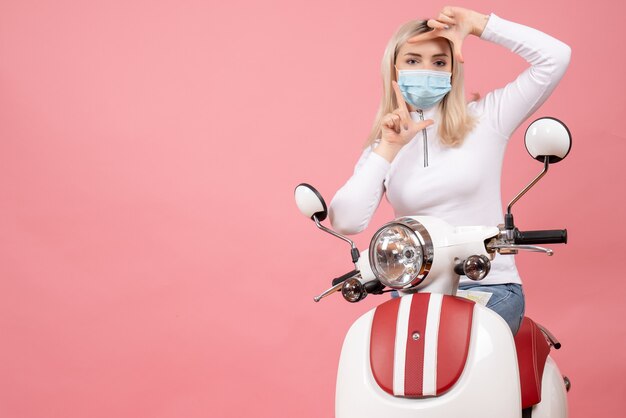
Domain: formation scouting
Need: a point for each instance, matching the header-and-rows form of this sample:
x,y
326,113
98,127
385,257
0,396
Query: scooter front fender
x,y
488,386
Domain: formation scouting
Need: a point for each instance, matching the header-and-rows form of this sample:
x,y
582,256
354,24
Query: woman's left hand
x,y
454,24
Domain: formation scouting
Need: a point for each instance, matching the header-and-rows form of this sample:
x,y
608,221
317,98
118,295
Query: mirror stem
x,y
546,164
355,251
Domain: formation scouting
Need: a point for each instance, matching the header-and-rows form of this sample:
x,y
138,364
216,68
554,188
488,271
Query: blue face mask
x,y
424,88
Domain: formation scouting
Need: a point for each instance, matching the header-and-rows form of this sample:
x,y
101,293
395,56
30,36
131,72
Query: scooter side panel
x,y
488,385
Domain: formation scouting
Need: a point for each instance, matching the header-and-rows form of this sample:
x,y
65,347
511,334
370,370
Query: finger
x,y
424,124
457,45
447,10
394,123
403,110
400,99
425,36
443,18
436,24
388,121
391,121
397,122
405,118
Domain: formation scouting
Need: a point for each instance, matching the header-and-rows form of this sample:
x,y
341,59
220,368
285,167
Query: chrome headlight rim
x,y
422,237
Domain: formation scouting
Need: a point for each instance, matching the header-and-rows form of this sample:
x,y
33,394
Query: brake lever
x,y
333,289
513,249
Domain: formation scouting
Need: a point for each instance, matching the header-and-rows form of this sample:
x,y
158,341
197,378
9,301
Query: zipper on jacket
x,y
421,113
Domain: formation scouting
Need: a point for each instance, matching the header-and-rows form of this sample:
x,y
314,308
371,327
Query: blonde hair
x,y
455,123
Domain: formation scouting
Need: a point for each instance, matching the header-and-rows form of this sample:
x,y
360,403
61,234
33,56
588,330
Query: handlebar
x,y
547,236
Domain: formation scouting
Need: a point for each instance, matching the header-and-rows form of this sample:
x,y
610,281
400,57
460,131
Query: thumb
x,y
424,124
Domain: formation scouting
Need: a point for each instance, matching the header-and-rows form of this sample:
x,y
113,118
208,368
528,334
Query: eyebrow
x,y
420,55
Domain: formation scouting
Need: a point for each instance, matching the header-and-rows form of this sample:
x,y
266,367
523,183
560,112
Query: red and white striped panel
x,y
419,343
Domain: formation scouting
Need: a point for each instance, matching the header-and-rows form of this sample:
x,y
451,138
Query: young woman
x,y
434,154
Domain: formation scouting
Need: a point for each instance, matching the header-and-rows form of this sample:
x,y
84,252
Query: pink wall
x,y
152,261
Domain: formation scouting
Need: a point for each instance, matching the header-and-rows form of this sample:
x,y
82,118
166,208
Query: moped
x,y
430,353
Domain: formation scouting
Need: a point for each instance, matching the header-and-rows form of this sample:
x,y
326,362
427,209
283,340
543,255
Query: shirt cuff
x,y
491,29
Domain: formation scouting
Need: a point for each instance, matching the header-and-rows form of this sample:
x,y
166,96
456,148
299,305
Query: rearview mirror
x,y
548,137
310,202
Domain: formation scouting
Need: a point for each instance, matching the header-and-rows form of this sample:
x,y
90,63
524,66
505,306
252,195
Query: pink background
x,y
152,261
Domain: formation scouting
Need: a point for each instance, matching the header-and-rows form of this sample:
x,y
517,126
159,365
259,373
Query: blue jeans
x,y
507,300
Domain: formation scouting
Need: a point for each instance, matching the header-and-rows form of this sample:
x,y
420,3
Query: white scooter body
x,y
491,366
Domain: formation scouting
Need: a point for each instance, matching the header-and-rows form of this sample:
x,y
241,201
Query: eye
x,y
440,63
411,61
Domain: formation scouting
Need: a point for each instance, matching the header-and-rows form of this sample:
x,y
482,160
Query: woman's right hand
x,y
398,129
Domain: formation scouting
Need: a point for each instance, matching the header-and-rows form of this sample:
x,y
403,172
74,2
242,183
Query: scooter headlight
x,y
401,253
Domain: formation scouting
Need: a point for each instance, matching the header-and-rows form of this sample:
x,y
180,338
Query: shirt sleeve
x,y
506,108
354,204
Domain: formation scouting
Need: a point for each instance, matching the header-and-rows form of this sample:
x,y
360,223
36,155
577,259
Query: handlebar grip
x,y
343,278
548,236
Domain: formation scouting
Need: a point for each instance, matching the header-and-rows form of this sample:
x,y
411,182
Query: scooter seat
x,y
532,351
